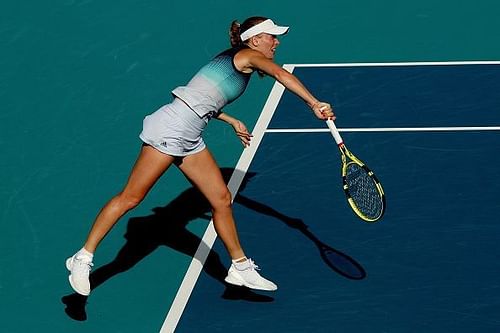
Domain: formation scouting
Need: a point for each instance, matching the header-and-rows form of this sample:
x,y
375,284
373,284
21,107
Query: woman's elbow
x,y
283,76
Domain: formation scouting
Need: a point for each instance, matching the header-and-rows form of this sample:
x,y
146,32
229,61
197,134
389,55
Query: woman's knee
x,y
223,200
128,201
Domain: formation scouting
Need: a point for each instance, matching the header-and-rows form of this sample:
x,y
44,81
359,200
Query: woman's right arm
x,y
258,61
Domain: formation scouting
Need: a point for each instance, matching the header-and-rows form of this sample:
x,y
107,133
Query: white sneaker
x,y
79,266
245,274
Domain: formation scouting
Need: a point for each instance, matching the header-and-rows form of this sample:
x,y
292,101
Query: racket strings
x,y
363,191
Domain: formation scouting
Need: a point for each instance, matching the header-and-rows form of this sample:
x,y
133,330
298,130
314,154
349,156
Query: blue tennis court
x,y
429,264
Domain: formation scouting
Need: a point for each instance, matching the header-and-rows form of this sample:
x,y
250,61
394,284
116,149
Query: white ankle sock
x,y
86,253
240,260
241,265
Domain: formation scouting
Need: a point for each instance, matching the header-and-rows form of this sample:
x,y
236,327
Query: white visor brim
x,y
267,27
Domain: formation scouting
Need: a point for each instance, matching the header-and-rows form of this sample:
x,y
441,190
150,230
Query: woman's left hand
x,y
242,132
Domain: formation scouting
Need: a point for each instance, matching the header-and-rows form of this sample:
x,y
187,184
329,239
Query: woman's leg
x,y
150,165
203,171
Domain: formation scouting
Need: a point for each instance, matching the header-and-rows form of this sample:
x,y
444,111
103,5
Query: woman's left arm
x,y
240,128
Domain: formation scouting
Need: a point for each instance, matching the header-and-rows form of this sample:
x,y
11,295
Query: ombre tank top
x,y
216,84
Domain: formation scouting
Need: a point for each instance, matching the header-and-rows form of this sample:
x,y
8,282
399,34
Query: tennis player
x,y
173,135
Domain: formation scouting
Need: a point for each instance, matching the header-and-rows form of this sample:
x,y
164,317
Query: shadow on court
x,y
167,227
336,260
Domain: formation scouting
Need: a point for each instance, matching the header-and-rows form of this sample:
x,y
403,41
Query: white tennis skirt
x,y
174,129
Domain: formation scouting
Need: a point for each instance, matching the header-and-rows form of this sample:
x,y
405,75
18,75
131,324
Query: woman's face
x,y
267,44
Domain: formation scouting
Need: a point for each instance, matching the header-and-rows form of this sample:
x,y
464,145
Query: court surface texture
x,y
416,91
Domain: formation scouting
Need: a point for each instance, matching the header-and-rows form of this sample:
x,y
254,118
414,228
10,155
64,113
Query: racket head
x,y
362,188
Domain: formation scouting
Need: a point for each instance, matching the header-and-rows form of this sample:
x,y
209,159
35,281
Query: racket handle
x,y
334,131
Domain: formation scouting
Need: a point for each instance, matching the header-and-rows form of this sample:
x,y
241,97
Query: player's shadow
x,y
167,227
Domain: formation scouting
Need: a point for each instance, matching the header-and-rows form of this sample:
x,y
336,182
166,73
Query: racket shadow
x,y
338,261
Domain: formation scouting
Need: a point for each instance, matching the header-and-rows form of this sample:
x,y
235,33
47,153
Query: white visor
x,y
267,27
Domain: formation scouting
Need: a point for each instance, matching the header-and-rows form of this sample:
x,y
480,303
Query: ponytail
x,y
235,34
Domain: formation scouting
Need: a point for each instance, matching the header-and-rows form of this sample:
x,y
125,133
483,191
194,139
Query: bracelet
x,y
314,105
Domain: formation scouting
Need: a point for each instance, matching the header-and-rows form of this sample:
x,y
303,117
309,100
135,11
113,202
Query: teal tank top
x,y
216,84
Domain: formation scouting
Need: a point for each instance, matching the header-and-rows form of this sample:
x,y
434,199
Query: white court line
x,y
386,129
387,64
210,235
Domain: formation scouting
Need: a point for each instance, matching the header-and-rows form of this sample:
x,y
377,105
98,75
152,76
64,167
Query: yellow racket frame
x,y
347,159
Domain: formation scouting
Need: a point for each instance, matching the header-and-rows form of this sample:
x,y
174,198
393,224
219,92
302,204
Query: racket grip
x,y
334,131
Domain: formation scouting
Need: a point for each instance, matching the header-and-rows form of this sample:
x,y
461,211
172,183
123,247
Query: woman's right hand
x,y
323,111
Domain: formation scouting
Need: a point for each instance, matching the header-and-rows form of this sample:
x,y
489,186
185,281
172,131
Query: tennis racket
x,y
362,188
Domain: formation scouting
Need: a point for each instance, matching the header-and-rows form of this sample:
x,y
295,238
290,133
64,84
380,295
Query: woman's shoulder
x,y
242,59
248,54
247,60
